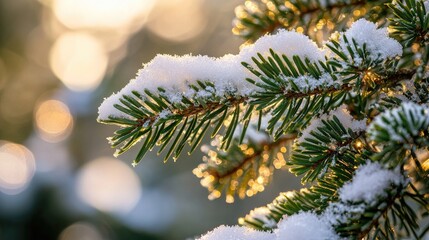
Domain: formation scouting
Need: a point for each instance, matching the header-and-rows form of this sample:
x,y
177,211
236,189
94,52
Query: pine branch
x,y
327,144
376,220
400,132
316,199
245,169
157,119
312,17
265,146
370,220
286,204
419,91
194,93
192,110
362,207
362,61
410,23
355,216
288,85
363,183
296,91
293,90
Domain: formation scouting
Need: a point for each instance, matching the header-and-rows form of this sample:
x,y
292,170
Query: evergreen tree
x,y
336,91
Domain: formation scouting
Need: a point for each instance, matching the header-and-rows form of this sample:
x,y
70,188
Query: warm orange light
x,y
359,144
109,14
214,195
53,120
17,167
185,19
230,199
109,185
253,8
78,60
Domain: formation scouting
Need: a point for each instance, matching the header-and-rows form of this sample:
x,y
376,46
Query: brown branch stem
x,y
235,101
254,156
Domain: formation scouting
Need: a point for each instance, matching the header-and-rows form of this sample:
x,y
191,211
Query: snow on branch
x,y
289,43
262,214
176,74
400,125
376,40
373,186
369,183
235,233
369,187
364,49
251,18
305,225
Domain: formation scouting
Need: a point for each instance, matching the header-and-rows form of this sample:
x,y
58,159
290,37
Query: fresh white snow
x,y
390,121
175,73
307,83
367,189
235,233
378,43
285,42
305,226
301,226
369,183
262,214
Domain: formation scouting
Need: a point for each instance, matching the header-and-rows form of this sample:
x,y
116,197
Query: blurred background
x,y
58,179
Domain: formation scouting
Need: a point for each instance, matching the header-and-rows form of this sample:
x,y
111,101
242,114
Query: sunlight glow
x,y
109,185
185,19
78,60
53,120
77,14
17,167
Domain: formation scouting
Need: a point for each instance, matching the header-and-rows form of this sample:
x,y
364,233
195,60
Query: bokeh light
x,y
17,167
58,59
81,231
185,19
117,14
53,120
109,185
78,60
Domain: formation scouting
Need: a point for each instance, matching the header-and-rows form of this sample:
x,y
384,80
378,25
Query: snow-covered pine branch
x,y
176,74
400,132
330,139
361,179
372,187
190,93
315,18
